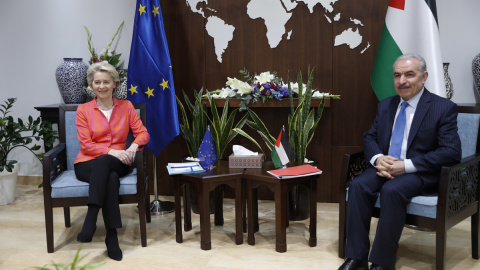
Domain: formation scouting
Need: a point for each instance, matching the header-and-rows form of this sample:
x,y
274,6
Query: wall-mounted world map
x,y
275,14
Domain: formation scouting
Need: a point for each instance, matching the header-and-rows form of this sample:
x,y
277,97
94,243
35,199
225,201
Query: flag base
x,y
158,207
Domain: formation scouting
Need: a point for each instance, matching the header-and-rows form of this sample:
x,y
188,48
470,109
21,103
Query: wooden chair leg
x,y
49,228
147,204
441,242
475,220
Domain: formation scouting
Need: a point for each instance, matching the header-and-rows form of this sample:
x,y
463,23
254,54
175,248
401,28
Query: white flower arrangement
x,y
265,86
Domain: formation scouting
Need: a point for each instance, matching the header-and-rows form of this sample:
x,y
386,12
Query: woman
x,y
103,125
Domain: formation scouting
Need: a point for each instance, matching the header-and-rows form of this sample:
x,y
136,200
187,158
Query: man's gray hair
x,y
423,64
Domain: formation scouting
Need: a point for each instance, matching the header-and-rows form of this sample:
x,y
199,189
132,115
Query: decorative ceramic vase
x,y
476,72
120,93
71,76
448,81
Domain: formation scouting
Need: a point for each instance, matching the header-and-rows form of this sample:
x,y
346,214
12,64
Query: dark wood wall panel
x,y
338,70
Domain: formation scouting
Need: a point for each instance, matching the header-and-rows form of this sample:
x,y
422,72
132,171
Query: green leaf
x,y
194,122
260,126
266,140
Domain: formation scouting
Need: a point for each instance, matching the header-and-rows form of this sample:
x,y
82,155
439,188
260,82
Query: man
x,y
407,146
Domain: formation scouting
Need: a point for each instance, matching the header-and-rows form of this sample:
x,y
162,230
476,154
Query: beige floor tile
x,y
23,243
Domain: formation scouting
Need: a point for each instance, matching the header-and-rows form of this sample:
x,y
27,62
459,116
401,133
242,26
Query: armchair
x,y
62,189
458,194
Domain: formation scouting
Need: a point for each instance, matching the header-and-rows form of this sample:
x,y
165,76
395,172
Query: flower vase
x,y
476,72
71,76
448,81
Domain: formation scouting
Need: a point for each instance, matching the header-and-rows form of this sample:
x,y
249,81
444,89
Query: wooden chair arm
x,y
141,163
458,187
352,165
54,162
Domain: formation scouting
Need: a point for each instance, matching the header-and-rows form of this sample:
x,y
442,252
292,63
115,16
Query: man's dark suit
x,y
433,142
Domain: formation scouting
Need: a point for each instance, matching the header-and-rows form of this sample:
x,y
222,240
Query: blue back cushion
x,y
73,144
468,124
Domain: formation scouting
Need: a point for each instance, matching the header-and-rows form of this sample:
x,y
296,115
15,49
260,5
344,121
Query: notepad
x,y
184,168
296,171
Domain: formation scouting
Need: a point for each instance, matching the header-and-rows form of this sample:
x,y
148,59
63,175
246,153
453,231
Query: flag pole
x,y
158,207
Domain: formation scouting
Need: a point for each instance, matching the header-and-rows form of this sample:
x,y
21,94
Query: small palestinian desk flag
x,y
207,152
282,153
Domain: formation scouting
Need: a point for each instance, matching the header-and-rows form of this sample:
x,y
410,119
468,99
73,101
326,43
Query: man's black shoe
x,y
353,264
379,267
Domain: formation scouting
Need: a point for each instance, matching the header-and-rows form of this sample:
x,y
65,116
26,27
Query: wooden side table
x,y
254,178
203,183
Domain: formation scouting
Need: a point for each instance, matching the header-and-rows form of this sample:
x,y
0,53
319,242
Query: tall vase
x,y
476,72
448,81
121,92
71,76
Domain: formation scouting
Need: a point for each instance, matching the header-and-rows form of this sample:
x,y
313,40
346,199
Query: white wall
x,y
459,22
35,36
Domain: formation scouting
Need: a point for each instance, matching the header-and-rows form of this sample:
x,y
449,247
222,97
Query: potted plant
x,y
14,134
194,123
223,131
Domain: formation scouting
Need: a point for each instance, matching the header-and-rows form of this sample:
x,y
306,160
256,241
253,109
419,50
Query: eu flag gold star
x,y
133,89
142,9
164,84
149,92
155,11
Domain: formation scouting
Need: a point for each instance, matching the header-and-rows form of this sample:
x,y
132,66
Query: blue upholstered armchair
x,y
458,194
62,189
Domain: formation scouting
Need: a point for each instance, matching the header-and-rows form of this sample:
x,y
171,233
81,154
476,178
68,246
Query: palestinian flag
x,y
282,153
411,26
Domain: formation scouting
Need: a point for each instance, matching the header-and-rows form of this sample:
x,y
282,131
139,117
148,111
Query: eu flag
x,y
207,152
150,77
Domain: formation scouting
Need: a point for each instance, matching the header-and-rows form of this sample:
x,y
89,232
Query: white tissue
x,y
239,150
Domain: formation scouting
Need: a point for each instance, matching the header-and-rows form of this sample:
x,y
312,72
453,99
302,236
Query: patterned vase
x,y
71,76
448,81
120,93
476,72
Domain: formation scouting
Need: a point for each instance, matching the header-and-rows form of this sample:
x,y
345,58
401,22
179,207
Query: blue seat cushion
x,y
67,185
425,206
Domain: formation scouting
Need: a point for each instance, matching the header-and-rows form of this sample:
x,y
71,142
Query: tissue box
x,y
245,161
